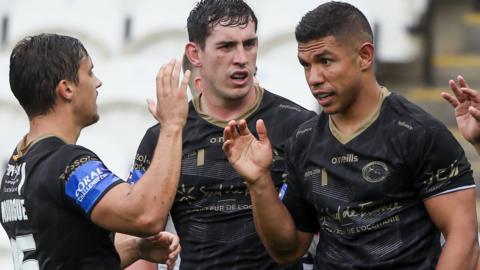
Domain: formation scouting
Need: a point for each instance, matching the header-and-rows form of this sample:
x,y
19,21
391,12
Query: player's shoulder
x,y
304,132
70,151
409,115
286,106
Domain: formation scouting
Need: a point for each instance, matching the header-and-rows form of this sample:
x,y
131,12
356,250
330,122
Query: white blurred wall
x,y
128,69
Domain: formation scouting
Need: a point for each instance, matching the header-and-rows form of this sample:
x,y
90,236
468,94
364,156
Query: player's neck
x,y
226,110
361,111
53,124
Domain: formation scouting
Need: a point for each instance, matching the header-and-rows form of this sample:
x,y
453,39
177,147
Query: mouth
x,y
324,95
239,77
324,98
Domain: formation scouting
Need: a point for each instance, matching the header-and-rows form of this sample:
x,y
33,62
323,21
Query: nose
x,y
99,83
315,77
240,57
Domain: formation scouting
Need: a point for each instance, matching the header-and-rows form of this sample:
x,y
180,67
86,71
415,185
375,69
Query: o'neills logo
x,y
345,159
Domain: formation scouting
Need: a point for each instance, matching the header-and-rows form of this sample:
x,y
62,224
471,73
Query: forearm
x,y
273,222
126,247
459,252
157,188
131,259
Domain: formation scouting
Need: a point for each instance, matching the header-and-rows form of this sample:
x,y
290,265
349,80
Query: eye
x,y
325,61
250,43
304,64
226,46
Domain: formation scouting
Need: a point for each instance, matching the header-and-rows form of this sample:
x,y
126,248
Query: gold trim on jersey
x,y
23,147
220,123
345,138
201,157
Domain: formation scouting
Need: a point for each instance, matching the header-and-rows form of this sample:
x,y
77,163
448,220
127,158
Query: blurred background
x,y
420,45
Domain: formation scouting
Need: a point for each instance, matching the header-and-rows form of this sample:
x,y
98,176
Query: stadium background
x,y
420,45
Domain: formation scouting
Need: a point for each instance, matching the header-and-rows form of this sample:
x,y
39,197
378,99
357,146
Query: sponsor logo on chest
x,y
348,158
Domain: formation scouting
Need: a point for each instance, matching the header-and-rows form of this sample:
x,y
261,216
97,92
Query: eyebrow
x,y
228,42
321,55
251,39
317,56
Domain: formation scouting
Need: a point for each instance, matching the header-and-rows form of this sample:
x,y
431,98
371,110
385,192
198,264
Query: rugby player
x,y
212,210
375,175
59,202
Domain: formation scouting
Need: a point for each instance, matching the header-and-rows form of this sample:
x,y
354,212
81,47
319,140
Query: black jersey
x,y
212,209
46,197
366,195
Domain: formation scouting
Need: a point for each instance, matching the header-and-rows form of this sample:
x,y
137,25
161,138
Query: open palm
x,y
250,157
467,109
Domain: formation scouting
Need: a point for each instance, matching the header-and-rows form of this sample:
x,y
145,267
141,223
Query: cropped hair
x,y
209,13
37,64
338,19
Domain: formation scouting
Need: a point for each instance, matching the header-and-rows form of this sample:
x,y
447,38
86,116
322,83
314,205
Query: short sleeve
x,y
88,179
441,166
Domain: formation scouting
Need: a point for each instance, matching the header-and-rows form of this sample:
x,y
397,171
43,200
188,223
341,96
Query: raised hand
x,y
163,247
466,102
250,157
172,103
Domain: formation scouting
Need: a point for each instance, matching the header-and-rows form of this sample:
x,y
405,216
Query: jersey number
x,y
22,244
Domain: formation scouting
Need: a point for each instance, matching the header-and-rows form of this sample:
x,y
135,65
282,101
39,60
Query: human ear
x,y
64,90
192,52
366,55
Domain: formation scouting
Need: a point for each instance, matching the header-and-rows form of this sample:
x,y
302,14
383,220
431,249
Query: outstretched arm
x,y
163,247
142,209
466,103
252,159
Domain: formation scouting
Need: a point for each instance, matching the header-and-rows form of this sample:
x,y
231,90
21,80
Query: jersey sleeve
x,y
293,196
144,155
441,165
88,179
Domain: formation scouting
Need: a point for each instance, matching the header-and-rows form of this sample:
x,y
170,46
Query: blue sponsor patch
x,y
88,182
282,192
135,175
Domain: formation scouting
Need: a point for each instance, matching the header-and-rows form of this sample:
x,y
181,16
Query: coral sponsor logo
x,y
89,181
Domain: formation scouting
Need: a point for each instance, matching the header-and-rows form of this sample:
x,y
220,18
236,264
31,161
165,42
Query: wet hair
x,y
209,13
37,64
338,19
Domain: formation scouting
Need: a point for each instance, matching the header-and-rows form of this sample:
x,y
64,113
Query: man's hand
x,y
250,157
163,247
172,103
466,102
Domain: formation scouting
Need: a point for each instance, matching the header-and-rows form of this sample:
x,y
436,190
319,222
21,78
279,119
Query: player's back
x,y
47,230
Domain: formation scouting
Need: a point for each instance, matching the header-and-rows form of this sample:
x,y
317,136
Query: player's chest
x,y
336,173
